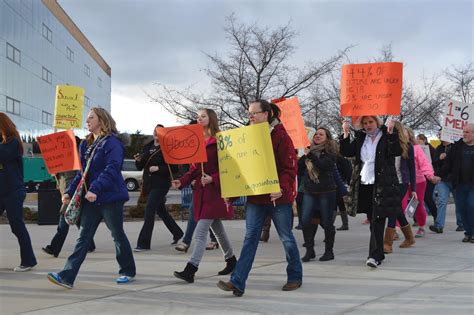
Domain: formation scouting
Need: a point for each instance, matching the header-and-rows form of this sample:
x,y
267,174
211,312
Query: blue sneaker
x,y
123,279
56,279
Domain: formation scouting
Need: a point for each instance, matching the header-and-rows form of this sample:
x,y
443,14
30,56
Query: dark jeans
x,y
429,201
13,204
400,216
91,215
255,215
156,204
322,204
60,237
465,203
377,224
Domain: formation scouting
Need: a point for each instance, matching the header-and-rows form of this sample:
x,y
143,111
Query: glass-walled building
x,y
41,47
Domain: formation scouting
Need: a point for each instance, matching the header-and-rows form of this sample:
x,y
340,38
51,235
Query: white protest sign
x,y
456,116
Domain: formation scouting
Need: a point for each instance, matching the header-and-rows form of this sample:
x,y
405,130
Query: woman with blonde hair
x,y
105,196
405,166
12,189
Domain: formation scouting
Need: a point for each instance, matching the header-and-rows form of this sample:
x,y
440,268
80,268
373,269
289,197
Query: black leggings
x,y
429,199
400,216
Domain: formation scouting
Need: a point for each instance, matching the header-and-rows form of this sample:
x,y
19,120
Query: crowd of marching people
x,y
371,168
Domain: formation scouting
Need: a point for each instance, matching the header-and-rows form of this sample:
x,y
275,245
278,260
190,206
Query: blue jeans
x,y
442,190
188,235
156,204
91,215
465,204
255,215
13,204
324,204
60,237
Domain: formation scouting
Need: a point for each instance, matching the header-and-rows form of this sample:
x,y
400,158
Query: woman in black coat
x,y
374,186
156,183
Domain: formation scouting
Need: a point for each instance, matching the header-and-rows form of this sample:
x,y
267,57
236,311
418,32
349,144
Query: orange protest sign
x,y
371,89
59,151
183,144
293,122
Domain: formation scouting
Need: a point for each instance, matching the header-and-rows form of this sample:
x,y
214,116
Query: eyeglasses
x,y
255,113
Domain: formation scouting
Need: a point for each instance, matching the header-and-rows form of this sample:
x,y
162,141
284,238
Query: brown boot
x,y
409,239
388,240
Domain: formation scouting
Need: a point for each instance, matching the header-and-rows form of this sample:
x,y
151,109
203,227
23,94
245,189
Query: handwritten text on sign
x,y
293,122
246,161
456,116
371,89
69,107
59,151
182,145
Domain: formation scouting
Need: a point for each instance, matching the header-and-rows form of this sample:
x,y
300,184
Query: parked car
x,y
131,175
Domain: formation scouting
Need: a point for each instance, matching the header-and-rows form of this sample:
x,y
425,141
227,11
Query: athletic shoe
x,y
22,268
459,229
56,279
140,249
436,229
123,279
372,263
420,233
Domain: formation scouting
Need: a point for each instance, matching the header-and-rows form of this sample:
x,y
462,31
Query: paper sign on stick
x,y
456,116
293,122
371,89
183,144
69,107
246,161
59,151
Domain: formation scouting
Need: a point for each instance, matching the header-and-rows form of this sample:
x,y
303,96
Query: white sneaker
x,y
139,249
372,263
22,268
123,279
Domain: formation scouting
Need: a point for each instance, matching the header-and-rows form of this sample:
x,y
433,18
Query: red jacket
x,y
286,165
207,200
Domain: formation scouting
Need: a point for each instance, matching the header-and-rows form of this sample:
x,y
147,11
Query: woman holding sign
x,y
208,206
12,189
105,196
376,190
156,184
277,204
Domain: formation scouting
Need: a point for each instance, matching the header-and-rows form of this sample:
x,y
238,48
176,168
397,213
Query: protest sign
x,y
246,161
293,121
59,151
371,89
183,144
69,107
456,116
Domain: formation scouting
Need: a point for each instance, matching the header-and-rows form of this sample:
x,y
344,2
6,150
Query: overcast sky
x,y
146,41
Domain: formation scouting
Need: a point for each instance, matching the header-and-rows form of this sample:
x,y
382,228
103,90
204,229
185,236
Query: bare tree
x,y
461,79
257,67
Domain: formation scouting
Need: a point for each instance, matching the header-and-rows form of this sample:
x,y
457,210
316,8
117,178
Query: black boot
x,y
309,232
187,274
329,244
231,262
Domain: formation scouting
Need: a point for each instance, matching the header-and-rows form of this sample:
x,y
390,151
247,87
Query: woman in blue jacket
x,y
105,196
12,189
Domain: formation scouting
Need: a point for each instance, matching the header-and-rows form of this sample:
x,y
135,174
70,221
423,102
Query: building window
x,y
99,82
13,54
70,54
13,106
47,118
87,70
47,76
47,33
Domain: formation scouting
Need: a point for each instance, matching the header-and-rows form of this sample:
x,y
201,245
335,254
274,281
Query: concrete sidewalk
x,y
434,277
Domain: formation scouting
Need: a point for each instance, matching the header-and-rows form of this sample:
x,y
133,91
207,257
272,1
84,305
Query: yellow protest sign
x,y
69,107
246,161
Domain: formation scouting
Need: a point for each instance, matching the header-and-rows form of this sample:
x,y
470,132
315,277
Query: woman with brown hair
x,y
12,189
208,206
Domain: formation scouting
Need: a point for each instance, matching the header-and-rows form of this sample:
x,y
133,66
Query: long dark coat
x,y
387,200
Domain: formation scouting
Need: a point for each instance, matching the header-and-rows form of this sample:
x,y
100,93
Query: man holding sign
x,y
277,204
